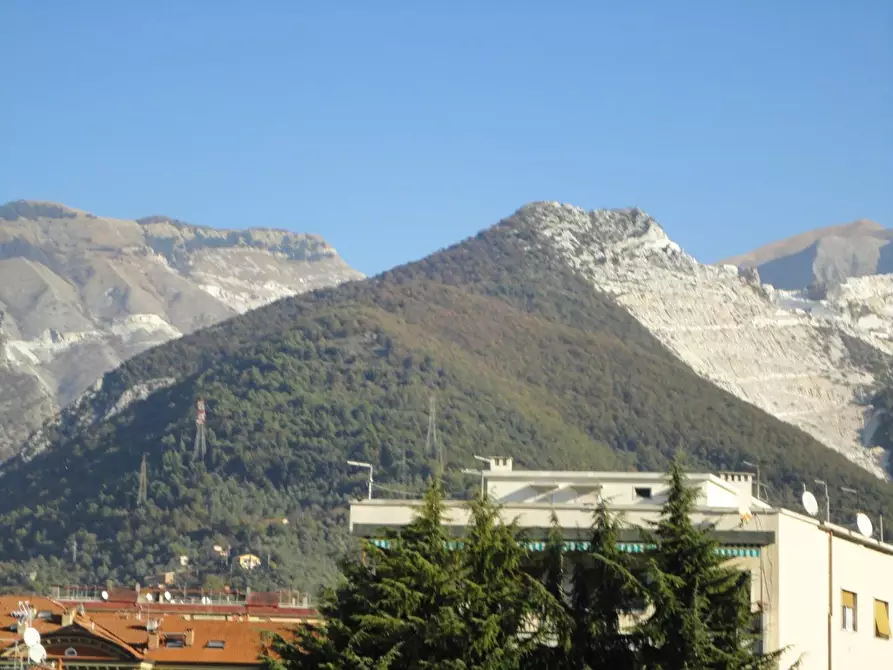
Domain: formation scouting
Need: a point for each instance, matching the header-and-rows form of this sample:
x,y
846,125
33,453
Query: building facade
x,y
824,590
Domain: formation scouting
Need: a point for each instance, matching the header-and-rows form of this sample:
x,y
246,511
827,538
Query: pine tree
x,y
554,649
702,615
396,610
504,606
604,588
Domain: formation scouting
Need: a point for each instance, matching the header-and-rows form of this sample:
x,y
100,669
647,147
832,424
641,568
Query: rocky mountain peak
x,y
624,238
826,255
32,210
81,293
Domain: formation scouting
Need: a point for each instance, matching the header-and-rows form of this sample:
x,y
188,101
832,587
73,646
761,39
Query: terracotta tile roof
x,y
242,640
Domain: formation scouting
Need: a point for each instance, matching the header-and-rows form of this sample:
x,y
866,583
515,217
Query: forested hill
x,y
524,359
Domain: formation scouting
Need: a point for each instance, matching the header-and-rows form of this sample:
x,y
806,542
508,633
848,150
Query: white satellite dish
x,y
37,654
810,504
168,596
863,523
31,637
104,595
148,597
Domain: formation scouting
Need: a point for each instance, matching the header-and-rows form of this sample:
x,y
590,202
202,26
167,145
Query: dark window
x,y
215,644
643,492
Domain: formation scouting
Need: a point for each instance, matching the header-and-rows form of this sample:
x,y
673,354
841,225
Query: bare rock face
x,y
823,256
81,293
784,351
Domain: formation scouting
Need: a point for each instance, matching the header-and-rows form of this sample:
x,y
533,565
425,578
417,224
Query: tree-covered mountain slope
x,y
523,357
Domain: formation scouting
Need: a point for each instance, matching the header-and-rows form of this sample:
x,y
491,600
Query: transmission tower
x,y
431,445
142,494
200,447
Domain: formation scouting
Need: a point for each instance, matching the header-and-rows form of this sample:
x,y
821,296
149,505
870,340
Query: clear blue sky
x,y
396,128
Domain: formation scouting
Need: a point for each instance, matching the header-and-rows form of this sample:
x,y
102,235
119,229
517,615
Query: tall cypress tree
x,y
702,617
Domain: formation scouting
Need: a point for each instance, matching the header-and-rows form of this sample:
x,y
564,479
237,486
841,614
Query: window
x,y
881,619
848,607
176,640
643,491
215,644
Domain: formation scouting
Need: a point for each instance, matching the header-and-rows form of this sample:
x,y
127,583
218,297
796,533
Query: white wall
x,y
800,596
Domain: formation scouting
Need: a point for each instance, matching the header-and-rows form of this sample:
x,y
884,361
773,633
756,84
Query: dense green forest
x,y
523,358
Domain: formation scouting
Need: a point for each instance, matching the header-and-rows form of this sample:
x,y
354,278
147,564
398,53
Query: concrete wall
x,y
798,571
531,515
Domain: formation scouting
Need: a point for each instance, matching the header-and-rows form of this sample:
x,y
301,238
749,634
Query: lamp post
x,y
489,463
358,464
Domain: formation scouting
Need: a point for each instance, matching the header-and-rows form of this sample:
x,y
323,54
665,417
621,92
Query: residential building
x,y
824,591
137,637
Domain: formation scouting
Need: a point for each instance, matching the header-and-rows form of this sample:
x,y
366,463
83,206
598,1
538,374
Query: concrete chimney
x,y
154,640
68,617
190,637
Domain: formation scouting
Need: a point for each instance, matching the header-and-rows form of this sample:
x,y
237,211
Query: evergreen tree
x,y
505,605
702,617
554,649
604,588
396,610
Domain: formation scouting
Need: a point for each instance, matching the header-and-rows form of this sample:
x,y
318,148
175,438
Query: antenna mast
x,y
142,494
200,448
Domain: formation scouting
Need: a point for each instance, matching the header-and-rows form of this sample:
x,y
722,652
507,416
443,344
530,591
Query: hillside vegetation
x,y
524,359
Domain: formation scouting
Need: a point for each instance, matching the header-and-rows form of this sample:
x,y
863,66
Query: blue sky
x,y
397,128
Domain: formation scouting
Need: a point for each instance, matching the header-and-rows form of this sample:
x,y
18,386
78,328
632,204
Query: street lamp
x,y
358,464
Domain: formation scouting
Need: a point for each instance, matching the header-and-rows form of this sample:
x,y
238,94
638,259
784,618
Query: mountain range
x,y
825,256
564,338
80,293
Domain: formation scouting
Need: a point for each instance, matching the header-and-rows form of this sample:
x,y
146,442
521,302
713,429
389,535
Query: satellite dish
x,y
863,523
31,637
37,654
810,504
168,596
104,595
148,597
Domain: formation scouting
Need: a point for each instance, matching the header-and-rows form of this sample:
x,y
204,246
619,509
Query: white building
x,y
825,591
